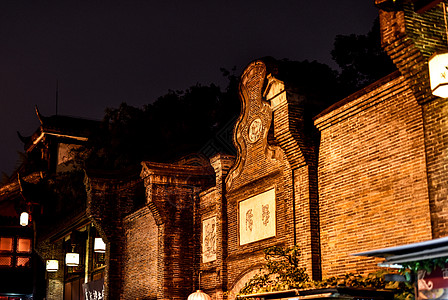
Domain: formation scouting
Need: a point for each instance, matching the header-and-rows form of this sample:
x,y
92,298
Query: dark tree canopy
x,y
361,59
201,118
178,123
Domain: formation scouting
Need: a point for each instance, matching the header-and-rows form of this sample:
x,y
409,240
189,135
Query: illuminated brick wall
x,y
141,253
372,178
410,38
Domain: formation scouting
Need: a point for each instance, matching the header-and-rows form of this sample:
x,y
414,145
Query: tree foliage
x,y
282,271
183,122
361,59
176,124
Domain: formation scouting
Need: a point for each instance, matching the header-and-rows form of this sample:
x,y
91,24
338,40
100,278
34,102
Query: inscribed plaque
x,y
209,239
257,217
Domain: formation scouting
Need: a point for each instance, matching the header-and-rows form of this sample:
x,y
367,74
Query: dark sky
x,y
107,52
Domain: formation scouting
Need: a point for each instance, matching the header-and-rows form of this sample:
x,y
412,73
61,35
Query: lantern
x,y
72,259
24,217
99,245
52,265
199,295
438,74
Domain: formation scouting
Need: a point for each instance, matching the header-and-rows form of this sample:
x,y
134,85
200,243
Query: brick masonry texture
x,y
104,193
410,38
270,162
140,270
372,179
376,178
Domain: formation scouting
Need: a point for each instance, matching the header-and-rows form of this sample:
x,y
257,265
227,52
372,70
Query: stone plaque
x,y
255,130
209,239
257,217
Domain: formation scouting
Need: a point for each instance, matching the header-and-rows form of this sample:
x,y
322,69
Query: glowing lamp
x,y
199,295
99,245
72,259
52,265
438,74
24,217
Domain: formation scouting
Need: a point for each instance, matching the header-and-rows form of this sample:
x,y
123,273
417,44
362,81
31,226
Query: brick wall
x,y
55,280
410,38
140,254
110,197
283,157
172,197
214,274
373,189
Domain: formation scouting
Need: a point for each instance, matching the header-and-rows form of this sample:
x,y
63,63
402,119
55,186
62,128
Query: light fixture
x,y
52,265
438,68
24,217
99,245
199,295
438,74
72,258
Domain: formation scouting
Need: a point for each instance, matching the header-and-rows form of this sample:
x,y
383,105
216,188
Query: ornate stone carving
x,y
209,239
255,118
255,130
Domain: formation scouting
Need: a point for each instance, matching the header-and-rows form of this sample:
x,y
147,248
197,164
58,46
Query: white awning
x,y
411,252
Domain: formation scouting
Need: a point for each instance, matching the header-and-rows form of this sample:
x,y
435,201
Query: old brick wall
x,y
410,38
213,204
172,196
55,280
281,156
140,255
110,198
373,189
208,208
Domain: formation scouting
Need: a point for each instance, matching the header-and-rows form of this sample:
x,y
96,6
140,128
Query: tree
x,y
282,271
361,59
176,124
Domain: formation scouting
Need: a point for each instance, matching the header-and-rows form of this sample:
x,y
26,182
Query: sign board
x,y
257,217
94,290
433,285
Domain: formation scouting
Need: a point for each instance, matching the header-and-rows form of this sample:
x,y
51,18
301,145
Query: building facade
x,y
368,172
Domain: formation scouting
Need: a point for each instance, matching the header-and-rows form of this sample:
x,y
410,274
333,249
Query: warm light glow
x,y
24,217
99,245
72,259
52,265
438,74
199,295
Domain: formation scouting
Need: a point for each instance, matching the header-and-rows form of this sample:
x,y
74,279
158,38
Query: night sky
x,y
103,53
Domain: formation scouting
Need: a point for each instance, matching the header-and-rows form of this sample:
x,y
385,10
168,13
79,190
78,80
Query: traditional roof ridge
x,y
13,187
77,128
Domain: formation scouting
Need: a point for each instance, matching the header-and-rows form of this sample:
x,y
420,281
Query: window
x,y
15,252
5,261
6,244
23,245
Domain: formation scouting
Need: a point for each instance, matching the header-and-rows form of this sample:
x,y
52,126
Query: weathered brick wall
x,y
208,207
109,200
372,177
410,38
171,193
140,255
436,137
281,157
213,204
55,280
